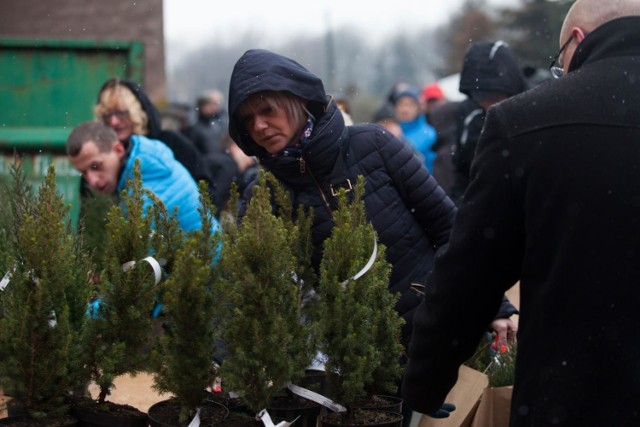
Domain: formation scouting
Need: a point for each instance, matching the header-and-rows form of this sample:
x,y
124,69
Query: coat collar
x,y
619,37
319,156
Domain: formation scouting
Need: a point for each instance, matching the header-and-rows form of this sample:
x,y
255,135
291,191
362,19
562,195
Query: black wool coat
x,y
554,202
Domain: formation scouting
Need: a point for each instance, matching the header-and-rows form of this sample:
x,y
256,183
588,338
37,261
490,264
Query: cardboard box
x,y
465,394
494,409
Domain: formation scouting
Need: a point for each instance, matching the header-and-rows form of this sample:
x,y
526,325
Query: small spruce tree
x,y
193,303
6,225
360,330
267,342
94,207
121,325
43,306
300,223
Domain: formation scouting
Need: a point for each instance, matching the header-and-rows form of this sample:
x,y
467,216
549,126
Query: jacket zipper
x,y
303,169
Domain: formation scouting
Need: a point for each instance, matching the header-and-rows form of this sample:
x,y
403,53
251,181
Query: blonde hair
x,y
117,96
294,106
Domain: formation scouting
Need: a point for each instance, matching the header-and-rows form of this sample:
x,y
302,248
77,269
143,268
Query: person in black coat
x,y
281,114
554,202
490,74
211,124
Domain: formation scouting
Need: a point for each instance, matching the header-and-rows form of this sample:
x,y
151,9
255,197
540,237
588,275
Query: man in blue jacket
x,y
107,164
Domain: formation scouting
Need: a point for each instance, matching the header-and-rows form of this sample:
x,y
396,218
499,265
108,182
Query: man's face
x,y
210,108
100,169
407,109
486,103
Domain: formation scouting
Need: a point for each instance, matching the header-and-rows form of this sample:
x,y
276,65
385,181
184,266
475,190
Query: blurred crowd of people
x,y
442,133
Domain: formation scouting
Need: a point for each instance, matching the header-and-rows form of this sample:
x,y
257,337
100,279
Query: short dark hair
x,y
103,136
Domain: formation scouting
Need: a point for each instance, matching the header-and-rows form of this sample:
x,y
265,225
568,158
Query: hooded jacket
x,y
490,66
489,70
410,212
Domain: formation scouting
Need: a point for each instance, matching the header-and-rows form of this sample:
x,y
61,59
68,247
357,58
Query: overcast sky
x,y
191,23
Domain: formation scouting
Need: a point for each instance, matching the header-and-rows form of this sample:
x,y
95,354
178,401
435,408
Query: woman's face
x,y
268,125
119,109
118,119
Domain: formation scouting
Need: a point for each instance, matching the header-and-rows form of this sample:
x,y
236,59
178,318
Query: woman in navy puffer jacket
x,y
280,113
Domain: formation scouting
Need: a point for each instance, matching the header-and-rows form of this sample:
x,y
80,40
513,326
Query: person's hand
x,y
243,162
444,411
505,330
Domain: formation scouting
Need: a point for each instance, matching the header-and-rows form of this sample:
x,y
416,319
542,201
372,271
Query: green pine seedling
x,y
193,305
360,330
43,306
267,342
121,327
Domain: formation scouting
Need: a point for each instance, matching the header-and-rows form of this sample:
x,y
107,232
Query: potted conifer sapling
x,y
42,305
267,342
120,335
360,330
193,305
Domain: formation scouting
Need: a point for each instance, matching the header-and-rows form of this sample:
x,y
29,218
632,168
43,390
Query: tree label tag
x,y
53,321
5,280
157,270
366,268
266,420
316,397
195,422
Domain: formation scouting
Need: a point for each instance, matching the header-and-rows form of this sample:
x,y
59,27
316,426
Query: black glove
x,y
444,411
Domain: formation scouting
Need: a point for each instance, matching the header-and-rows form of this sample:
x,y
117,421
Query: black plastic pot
x,y
239,419
165,413
15,409
25,421
385,403
304,410
382,419
17,415
315,381
93,417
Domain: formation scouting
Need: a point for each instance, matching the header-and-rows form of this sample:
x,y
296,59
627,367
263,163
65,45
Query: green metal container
x,y
47,87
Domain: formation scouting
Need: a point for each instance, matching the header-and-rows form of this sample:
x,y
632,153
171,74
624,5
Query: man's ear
x,y
118,148
578,34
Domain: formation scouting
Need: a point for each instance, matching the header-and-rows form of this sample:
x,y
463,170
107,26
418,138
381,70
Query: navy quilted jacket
x,y
410,212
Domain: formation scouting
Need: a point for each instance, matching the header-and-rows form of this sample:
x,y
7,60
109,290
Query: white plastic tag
x,y
316,397
53,321
266,420
155,265
195,422
367,267
128,266
157,270
5,280
318,362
